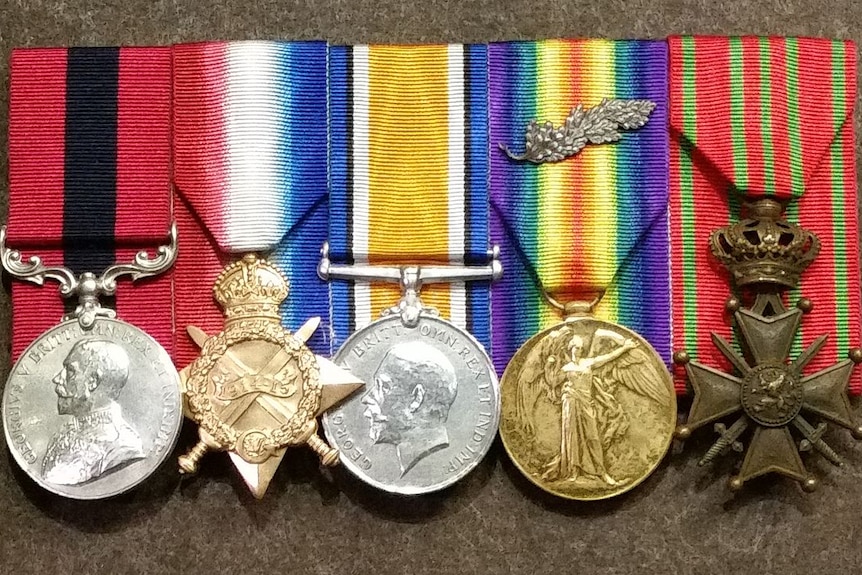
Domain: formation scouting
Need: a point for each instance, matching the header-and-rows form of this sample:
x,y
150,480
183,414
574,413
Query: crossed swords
x,y
238,368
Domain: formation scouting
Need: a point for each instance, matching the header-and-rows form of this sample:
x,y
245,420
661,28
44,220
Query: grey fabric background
x,y
682,520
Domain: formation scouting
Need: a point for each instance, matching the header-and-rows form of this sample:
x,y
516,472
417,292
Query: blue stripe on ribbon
x,y
340,190
301,77
477,222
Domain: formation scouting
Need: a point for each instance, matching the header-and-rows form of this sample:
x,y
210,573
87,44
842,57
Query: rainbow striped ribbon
x,y
250,154
593,222
764,116
408,175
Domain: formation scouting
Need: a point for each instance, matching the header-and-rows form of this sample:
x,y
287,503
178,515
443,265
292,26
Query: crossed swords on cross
x,y
239,369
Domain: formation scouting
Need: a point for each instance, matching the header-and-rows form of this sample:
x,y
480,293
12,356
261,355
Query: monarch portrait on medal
x,y
97,439
408,402
593,404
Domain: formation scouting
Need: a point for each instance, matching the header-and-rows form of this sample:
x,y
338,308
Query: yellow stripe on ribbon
x,y
408,181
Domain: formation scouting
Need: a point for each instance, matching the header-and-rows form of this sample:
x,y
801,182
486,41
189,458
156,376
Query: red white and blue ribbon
x,y
250,166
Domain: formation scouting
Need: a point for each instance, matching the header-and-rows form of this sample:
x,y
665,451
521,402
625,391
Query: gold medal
x,y
589,408
256,389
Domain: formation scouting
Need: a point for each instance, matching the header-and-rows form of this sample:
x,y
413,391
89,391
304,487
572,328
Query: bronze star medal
x,y
769,394
256,389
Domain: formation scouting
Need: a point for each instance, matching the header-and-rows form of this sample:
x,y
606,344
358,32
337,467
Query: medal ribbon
x,y
409,175
593,222
89,176
250,145
763,116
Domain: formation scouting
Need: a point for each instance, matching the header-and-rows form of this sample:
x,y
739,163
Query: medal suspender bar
x,y
409,206
585,225
250,141
89,157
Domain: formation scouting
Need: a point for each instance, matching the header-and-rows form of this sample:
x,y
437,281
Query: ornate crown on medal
x,y
764,247
251,287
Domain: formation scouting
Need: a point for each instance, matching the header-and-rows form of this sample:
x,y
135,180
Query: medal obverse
x,y
588,409
256,389
93,406
431,409
769,394
432,406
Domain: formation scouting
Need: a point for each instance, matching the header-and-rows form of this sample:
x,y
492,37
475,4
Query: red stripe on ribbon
x,y
194,277
37,108
36,175
752,113
144,184
200,146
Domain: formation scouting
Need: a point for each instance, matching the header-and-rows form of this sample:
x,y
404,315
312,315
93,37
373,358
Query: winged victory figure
x,y
584,385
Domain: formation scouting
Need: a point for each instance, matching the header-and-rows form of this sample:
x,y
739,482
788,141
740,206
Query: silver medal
x,y
432,404
93,406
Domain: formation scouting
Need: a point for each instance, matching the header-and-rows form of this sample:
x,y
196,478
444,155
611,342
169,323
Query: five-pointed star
x,y
771,395
336,385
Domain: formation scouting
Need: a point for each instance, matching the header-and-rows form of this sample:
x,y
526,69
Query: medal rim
x,y
170,371
509,374
413,490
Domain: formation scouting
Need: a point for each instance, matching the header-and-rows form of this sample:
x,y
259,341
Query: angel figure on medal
x,y
598,383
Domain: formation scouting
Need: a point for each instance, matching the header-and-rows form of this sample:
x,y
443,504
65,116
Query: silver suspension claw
x,y
87,287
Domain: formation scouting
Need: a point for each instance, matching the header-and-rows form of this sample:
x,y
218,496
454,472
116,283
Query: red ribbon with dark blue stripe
x,y
89,176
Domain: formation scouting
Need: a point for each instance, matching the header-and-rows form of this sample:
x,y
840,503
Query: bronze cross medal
x,y
256,389
769,396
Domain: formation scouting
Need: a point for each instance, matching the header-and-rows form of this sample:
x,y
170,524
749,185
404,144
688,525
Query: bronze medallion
x,y
769,395
256,389
588,409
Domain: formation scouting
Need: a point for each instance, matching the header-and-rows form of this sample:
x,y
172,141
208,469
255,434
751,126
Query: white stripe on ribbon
x,y
457,291
361,104
253,114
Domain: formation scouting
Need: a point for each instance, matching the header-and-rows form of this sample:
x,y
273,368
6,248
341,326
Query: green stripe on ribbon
x,y
796,177
795,140
836,157
737,115
687,224
766,116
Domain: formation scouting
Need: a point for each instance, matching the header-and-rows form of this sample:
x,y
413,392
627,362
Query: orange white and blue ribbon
x,y
409,175
595,223
250,166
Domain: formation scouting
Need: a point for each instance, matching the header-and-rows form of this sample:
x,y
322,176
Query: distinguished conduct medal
x,y
92,405
256,389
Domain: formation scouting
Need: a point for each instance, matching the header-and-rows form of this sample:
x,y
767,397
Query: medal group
x,y
606,224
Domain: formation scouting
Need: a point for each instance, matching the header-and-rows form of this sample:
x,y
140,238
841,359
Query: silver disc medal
x,y
91,413
431,407
93,406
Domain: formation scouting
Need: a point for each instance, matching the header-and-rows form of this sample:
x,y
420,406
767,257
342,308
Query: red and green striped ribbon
x,y
764,117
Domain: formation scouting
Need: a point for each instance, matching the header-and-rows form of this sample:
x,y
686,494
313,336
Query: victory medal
x,y
595,394
92,407
588,406
256,389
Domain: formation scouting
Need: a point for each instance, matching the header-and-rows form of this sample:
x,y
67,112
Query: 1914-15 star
x,y
770,394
